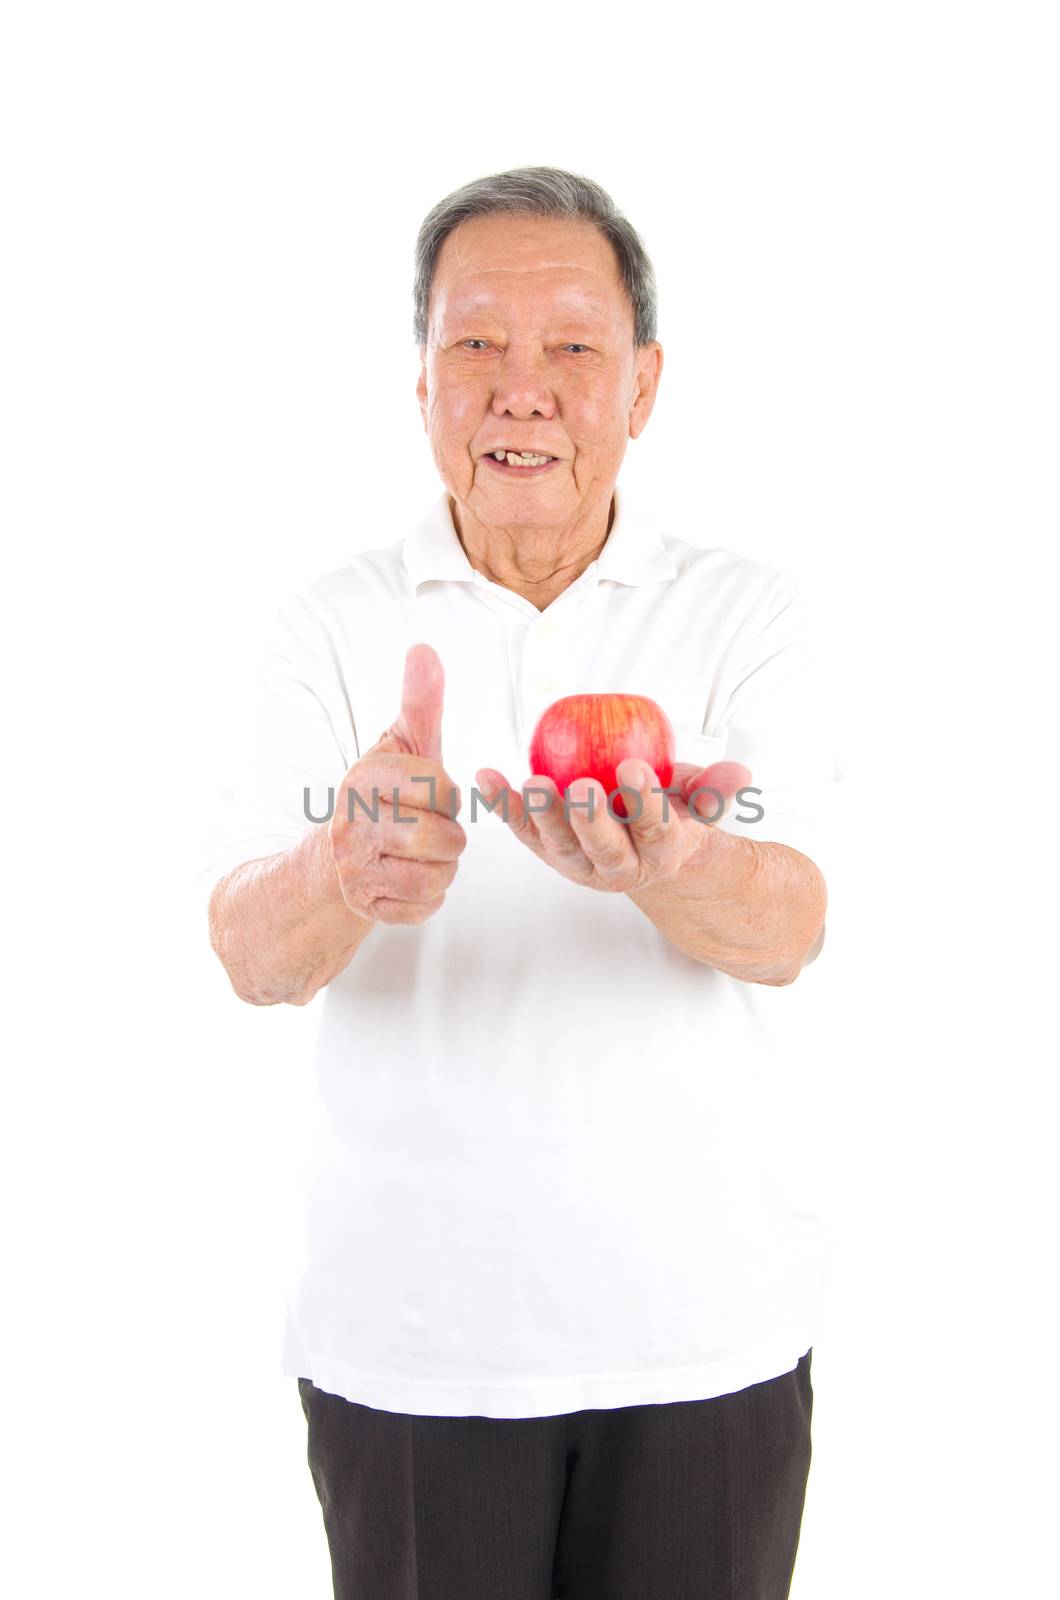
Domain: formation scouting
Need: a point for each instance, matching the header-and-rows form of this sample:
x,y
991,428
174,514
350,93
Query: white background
x,y
208,397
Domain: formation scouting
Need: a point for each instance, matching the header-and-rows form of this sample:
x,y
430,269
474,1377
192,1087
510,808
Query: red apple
x,y
587,735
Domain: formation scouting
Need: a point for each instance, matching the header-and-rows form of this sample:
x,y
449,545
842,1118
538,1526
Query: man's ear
x,y
648,374
421,385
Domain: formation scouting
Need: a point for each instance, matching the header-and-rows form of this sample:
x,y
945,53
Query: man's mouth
x,y
520,463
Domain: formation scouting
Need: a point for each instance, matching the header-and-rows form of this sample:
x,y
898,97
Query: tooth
x,y
527,458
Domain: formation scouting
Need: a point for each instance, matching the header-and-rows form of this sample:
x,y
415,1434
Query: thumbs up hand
x,y
391,869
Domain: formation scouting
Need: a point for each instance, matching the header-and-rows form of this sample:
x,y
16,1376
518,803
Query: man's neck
x,y
537,563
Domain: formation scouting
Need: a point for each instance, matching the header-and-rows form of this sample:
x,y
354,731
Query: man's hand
x,y
617,854
391,870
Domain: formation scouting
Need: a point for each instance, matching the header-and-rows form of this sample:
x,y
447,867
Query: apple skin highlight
x,y
587,735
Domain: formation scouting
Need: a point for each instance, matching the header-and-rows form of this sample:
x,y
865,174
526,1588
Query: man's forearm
x,y
752,909
280,926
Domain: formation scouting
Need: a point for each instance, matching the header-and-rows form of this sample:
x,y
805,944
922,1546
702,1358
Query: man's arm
x,y
756,909
284,925
280,926
753,909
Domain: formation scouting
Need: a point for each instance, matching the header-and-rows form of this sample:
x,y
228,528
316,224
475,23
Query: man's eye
x,y
572,346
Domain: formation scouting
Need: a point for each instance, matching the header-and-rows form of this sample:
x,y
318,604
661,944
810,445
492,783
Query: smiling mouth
x,y
520,469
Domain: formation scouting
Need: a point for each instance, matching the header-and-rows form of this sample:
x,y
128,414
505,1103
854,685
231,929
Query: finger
x,y
602,838
509,805
718,785
398,878
405,912
422,693
384,792
654,827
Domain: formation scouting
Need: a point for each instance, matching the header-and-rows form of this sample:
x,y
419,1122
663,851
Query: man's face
x,y
530,346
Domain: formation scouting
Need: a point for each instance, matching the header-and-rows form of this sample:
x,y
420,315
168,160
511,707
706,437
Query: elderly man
x,y
552,1333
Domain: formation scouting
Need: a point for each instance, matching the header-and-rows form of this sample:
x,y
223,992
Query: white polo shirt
x,y
560,1164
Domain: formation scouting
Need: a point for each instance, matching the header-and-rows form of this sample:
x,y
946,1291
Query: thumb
x,y
722,778
417,730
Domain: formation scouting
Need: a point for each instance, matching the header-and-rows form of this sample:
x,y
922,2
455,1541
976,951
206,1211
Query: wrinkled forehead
x,y
523,271
531,299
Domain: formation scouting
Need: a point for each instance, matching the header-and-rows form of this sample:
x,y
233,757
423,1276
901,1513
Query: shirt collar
x,y
634,552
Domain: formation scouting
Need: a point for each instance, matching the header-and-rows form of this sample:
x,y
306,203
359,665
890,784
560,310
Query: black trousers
x,y
693,1500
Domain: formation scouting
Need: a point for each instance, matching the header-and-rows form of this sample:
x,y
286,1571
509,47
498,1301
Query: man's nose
x,y
523,382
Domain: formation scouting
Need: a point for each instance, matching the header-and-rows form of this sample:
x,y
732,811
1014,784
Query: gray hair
x,y
538,192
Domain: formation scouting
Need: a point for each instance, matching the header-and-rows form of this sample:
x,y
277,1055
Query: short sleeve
x,y
297,737
778,721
